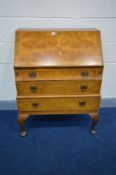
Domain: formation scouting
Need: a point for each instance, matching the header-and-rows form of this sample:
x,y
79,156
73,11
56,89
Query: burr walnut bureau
x,y
58,72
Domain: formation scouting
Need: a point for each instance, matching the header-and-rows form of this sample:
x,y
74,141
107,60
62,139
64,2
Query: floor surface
x,y
58,145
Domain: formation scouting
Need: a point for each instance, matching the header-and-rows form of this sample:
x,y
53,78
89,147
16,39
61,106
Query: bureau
x,y
58,72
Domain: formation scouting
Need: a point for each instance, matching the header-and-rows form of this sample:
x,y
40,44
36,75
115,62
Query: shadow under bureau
x,y
58,72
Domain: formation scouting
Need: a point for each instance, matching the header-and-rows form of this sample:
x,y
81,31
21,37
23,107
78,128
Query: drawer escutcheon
x,y
82,103
32,74
35,105
33,89
84,74
83,88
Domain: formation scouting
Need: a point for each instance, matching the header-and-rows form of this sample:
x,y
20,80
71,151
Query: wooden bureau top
x,y
58,48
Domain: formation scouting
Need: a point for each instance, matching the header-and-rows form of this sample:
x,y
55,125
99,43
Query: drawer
x,y
35,88
62,103
22,74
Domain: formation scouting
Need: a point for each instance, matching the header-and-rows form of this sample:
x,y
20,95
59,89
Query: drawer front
x,y
78,103
58,87
57,73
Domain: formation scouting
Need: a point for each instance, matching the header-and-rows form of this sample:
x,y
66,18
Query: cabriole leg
x,y
20,120
95,119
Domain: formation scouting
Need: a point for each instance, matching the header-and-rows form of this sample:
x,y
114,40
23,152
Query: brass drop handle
x,y
84,74
32,74
82,103
33,89
83,87
35,104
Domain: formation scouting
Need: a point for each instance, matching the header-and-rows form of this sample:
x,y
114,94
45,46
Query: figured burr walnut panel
x,y
58,48
58,72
